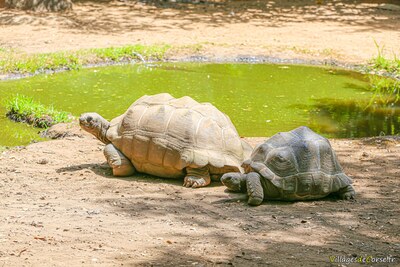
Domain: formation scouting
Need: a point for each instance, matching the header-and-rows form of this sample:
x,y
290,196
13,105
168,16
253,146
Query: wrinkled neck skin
x,y
99,129
101,134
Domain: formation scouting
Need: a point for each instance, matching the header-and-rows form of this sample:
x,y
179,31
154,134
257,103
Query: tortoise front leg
x,y
197,177
255,190
120,164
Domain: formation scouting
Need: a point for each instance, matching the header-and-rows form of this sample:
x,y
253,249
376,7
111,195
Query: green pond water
x,y
261,99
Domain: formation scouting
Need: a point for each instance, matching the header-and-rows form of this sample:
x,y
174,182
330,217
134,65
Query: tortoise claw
x,y
194,182
347,193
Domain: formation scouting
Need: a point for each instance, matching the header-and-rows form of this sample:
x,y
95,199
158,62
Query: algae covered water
x,y
260,99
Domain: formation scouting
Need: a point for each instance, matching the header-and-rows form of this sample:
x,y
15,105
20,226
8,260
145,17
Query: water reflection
x,y
352,118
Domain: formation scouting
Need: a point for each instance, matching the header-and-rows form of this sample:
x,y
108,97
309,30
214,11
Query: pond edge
x,y
239,59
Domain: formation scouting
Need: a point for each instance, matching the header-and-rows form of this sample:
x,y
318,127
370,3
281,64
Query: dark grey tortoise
x,y
295,165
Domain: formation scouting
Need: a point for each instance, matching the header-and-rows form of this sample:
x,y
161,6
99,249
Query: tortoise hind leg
x,y
197,177
255,190
120,164
347,192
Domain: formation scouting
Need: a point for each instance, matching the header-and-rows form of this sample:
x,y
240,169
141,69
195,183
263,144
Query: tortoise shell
x,y
300,163
162,135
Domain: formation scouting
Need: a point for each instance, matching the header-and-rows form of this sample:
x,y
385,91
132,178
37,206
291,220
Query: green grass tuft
x,y
387,89
28,63
24,109
381,63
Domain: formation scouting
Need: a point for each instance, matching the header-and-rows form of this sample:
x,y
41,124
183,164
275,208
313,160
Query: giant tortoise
x,y
295,165
168,137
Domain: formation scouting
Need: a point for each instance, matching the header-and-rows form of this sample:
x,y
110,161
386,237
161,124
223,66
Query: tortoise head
x,y
95,124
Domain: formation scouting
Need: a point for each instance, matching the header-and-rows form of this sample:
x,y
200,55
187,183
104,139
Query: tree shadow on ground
x,y
105,171
116,16
307,233
265,234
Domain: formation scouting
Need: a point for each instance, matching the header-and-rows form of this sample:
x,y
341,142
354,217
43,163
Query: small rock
x,y
390,7
43,161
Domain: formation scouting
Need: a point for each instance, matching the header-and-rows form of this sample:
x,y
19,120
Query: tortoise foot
x,y
347,193
195,182
197,177
254,201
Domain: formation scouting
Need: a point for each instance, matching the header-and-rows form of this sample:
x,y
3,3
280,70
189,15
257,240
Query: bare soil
x,y
60,205
339,30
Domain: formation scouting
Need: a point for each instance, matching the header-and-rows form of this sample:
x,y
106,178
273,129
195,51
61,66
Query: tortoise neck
x,y
102,132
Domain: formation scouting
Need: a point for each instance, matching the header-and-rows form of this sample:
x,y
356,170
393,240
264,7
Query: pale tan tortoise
x,y
295,165
168,137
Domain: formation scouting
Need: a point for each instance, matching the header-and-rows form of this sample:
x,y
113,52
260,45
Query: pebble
x,y
43,161
390,7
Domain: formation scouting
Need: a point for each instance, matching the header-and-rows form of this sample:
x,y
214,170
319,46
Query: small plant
x,y
382,64
386,88
24,109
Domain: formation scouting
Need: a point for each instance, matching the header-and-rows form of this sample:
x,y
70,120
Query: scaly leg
x,y
120,164
255,190
197,177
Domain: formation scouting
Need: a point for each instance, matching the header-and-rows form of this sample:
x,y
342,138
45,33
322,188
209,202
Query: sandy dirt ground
x,y
60,205
335,30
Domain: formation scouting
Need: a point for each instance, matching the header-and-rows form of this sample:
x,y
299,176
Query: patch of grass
x,y
28,63
386,89
22,108
381,63
130,52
